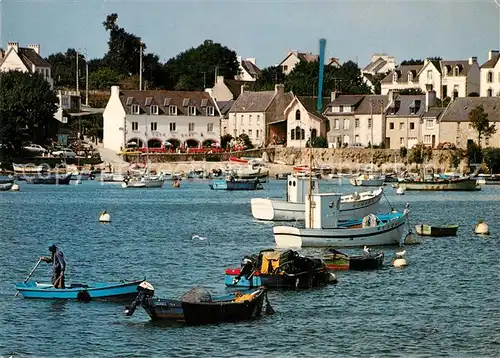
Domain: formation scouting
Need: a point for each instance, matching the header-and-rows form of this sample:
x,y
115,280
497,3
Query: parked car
x,y
35,149
64,152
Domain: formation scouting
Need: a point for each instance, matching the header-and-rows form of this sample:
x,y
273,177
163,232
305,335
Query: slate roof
x,y
163,99
491,63
402,72
365,107
346,100
234,86
405,102
308,57
253,101
310,104
224,107
463,66
434,112
459,109
251,68
374,66
30,55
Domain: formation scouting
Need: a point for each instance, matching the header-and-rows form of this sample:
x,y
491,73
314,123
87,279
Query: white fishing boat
x,y
146,181
353,206
322,228
112,177
368,180
6,185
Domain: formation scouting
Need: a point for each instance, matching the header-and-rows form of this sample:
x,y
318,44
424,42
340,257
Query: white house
x,y
460,78
490,75
404,77
26,59
293,58
429,77
248,70
304,121
69,102
380,64
153,118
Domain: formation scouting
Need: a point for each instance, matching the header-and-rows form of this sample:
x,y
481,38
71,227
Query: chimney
x,y
279,89
397,105
243,87
239,59
252,60
333,96
472,60
115,91
36,48
219,79
430,99
492,53
14,45
390,97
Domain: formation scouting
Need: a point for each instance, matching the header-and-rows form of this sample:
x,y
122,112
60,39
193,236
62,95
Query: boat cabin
x,y
322,210
298,188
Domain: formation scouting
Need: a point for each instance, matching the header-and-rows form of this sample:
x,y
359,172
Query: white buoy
x,y
79,181
15,187
124,185
400,261
400,191
104,217
482,228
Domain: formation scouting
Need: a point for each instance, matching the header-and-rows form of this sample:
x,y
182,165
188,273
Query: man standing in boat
x,y
58,266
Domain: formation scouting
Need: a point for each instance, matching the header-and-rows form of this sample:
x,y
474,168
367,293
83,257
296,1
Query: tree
x,y
194,69
64,68
377,82
419,153
104,78
27,110
412,62
246,141
492,159
318,142
479,121
268,78
225,140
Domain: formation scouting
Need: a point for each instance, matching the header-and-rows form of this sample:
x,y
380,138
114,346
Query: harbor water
x,y
444,303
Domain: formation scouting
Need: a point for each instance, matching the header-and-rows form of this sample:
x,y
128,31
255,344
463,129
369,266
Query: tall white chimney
x,y
13,45
35,47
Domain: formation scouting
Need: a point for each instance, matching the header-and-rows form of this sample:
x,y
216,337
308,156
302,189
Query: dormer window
x,y
445,71
154,109
148,101
410,76
185,102
210,111
135,109
204,102
412,110
130,100
166,102
172,110
192,110
341,108
395,77
456,71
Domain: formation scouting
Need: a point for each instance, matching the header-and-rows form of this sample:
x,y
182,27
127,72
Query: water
x,y
445,303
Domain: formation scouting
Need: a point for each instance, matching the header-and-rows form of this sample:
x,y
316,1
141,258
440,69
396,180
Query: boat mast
x,y
311,219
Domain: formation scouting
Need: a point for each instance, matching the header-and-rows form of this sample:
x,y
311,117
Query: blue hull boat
x,y
82,292
236,185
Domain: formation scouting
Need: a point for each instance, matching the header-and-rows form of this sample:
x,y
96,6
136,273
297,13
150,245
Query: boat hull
x,y
447,185
281,210
388,233
6,185
143,184
367,182
303,280
54,179
436,231
355,263
161,309
110,291
235,185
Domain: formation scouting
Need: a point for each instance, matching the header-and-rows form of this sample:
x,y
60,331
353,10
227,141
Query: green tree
x,y
269,77
318,142
27,110
104,78
412,62
377,82
479,121
194,69
246,141
492,159
419,153
64,68
225,140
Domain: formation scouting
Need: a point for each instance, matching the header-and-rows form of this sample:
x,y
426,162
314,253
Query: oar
x,y
31,273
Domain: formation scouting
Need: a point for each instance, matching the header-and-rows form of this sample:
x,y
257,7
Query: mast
x,y
311,219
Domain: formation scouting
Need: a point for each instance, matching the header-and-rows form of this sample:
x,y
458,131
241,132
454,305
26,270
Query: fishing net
x,y
196,295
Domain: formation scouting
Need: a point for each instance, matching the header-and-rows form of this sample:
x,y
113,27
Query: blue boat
x,y
82,292
236,184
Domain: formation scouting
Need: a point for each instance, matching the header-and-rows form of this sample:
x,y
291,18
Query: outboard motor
x,y
146,290
247,269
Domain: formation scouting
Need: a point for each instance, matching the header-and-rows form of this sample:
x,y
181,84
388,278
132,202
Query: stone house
x,y
490,75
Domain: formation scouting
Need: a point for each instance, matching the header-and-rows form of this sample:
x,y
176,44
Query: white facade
x,y
490,76
300,125
293,58
252,124
122,127
26,60
244,75
429,78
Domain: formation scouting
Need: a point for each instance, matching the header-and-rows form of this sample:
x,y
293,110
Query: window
x,y
241,120
427,138
210,127
154,109
456,70
337,124
292,134
192,110
235,134
341,108
257,134
429,75
303,134
470,125
297,115
412,126
490,92
490,77
135,109
401,141
356,123
250,133
445,71
285,68
249,120
458,127
191,127
173,127
210,111
356,139
410,76
346,140
487,141
499,77
135,126
154,126
429,123
346,124
369,122
258,119
172,110
391,125
395,77
401,126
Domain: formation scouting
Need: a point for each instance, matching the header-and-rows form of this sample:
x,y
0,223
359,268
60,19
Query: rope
x,y
392,207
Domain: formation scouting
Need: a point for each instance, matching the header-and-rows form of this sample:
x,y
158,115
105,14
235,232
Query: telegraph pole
x,y
140,66
77,70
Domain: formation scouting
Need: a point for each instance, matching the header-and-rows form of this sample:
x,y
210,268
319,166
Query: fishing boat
x,y
236,184
146,181
27,168
79,291
6,184
199,302
323,229
352,206
275,269
336,260
436,231
50,179
368,180
112,177
460,184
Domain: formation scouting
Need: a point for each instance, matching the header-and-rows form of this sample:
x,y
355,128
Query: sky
x,y
263,29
